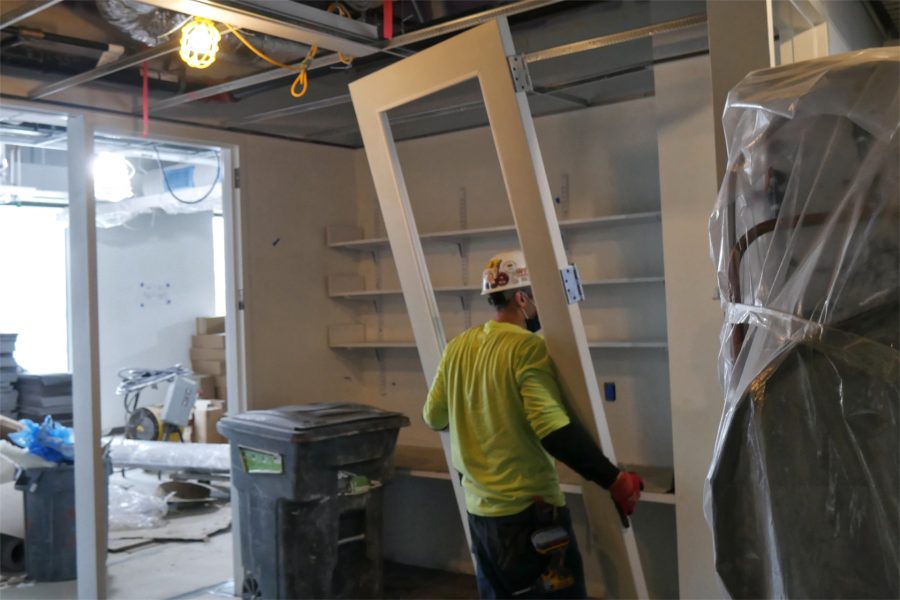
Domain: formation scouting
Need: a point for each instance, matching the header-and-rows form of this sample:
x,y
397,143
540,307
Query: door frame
x,y
487,54
90,494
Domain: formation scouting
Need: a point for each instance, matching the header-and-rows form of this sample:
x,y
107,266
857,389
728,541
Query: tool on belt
x,y
553,542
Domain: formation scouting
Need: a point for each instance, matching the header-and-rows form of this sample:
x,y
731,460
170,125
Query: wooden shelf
x,y
429,462
350,238
607,345
371,345
613,344
351,287
352,336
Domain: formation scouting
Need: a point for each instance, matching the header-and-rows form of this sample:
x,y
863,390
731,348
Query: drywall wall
x,y
154,277
688,187
289,192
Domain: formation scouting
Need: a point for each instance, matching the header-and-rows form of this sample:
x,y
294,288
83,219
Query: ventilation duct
x,y
153,26
146,24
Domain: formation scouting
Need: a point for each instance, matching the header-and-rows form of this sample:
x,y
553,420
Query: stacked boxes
x,y
42,395
9,374
208,357
206,415
208,364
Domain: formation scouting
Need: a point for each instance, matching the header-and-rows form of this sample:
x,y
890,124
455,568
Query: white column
x,y
90,492
741,39
235,373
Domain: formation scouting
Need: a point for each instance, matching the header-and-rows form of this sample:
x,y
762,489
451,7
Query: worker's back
x,y
497,391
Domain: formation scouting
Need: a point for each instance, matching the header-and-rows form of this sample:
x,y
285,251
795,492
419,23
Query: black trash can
x,y
308,479
48,495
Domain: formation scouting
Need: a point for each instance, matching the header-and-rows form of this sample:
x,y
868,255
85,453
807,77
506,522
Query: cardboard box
x,y
208,325
208,340
208,367
208,354
206,386
221,387
206,414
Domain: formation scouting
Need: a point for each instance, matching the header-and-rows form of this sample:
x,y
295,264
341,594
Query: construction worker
x,y
497,391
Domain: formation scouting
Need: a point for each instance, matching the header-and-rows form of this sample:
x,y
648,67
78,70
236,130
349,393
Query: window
x,y
33,287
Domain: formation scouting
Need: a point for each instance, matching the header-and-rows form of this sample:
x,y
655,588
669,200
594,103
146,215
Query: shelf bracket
x,y
562,201
380,313
376,261
463,246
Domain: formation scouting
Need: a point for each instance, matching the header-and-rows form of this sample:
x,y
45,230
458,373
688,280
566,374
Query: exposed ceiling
x,y
72,38
886,14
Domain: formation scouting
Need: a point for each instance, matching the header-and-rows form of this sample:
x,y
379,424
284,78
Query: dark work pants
x,y
508,566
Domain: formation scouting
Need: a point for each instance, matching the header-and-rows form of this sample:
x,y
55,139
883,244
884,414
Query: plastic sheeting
x,y
170,456
802,493
133,509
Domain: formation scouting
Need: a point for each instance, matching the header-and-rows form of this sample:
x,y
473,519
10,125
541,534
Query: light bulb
x,y
199,43
112,177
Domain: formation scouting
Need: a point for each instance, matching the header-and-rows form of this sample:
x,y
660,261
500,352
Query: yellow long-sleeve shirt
x,y
498,392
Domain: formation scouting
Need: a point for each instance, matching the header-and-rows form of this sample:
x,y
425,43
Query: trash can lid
x,y
310,422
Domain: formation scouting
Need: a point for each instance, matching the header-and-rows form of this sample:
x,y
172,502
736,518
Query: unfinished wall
x,y
289,191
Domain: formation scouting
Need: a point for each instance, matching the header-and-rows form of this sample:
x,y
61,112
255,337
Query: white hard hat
x,y
506,271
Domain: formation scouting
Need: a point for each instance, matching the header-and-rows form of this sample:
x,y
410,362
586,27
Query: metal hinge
x,y
518,68
572,284
240,299
237,178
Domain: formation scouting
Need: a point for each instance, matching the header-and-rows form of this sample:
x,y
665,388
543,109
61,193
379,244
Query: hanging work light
x,y
199,43
112,177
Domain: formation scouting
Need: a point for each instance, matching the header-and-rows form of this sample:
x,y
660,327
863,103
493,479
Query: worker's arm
x,y
574,447
564,440
436,413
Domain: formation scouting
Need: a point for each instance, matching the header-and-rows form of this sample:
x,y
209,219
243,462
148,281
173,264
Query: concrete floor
x,y
202,571
161,572
404,581
172,570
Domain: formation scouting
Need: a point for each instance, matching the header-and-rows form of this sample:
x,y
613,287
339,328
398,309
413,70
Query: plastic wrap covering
x,y
802,493
133,509
170,456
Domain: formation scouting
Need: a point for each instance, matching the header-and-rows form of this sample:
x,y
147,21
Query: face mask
x,y
533,324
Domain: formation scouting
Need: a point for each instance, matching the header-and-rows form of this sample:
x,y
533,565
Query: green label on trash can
x,y
258,461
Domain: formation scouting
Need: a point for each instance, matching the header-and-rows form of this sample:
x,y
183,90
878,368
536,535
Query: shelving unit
x,y
357,341
352,336
422,461
383,302
351,237
352,287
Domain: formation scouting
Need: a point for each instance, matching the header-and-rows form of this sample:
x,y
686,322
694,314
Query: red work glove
x,y
625,491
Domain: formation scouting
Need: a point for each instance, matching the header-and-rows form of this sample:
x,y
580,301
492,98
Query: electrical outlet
x,y
609,391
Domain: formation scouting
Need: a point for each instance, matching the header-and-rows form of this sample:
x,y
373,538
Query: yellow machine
x,y
146,424
164,423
